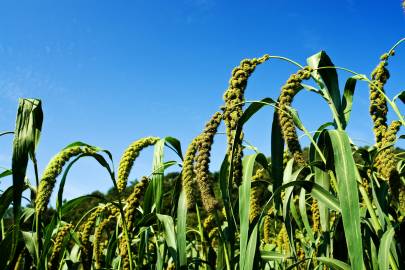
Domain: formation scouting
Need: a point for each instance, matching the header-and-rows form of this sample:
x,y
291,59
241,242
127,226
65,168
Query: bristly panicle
x,y
267,237
51,172
385,161
86,232
98,245
288,92
205,185
256,193
134,200
315,216
232,110
378,103
128,159
53,263
188,174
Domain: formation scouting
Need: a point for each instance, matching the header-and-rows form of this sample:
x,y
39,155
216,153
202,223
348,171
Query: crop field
x,y
331,205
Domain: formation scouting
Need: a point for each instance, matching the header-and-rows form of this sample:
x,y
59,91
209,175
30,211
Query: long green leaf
x,y
244,204
327,80
347,100
170,235
181,230
384,250
347,176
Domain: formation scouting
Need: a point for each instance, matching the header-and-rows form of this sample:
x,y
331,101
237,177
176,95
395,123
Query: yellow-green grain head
x,y
51,172
53,263
128,159
204,181
288,92
134,200
188,174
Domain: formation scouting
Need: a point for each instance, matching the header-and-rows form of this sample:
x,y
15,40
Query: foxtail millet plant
x,y
98,245
205,185
288,92
128,159
112,214
86,232
256,194
232,109
134,200
51,172
58,245
188,173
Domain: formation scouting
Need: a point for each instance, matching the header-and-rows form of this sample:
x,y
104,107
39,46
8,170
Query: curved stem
x,y
287,60
395,45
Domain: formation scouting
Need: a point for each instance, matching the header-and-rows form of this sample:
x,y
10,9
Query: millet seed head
x,y
204,181
53,263
134,200
52,171
288,92
188,175
128,159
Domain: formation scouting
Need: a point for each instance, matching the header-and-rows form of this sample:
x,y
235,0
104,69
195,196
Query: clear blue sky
x,y
110,72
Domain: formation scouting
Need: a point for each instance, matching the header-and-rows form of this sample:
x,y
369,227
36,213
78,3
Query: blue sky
x,y
110,72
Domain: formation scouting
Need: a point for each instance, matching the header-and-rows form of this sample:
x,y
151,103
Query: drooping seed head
x,y
385,161
267,226
86,231
128,159
53,263
256,193
188,175
232,110
51,172
98,246
315,216
134,200
204,181
282,243
288,92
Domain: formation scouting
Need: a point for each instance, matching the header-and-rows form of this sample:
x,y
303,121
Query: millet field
x,y
319,199
331,205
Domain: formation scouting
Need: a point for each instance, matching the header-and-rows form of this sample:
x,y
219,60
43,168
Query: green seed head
x,y
123,247
288,92
98,245
315,216
51,172
188,175
378,104
211,228
256,195
385,161
53,263
128,159
232,110
282,243
86,231
204,181
134,200
267,226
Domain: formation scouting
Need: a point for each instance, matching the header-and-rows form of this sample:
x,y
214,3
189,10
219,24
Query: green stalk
x,y
222,236
375,222
3,233
201,233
